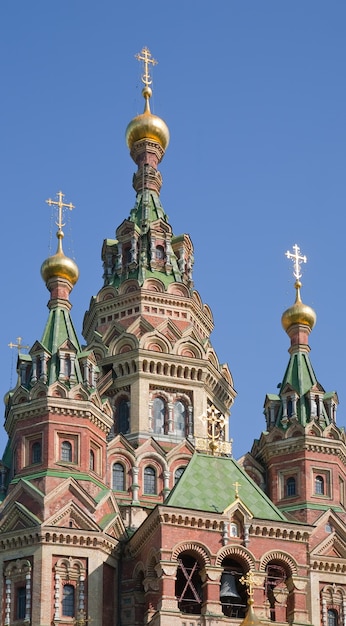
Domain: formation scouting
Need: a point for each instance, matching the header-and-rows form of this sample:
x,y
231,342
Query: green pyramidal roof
x,y
59,328
208,484
299,373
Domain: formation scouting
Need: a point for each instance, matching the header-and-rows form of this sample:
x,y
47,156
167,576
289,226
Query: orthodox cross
x,y
61,205
236,485
216,423
147,59
248,580
298,259
18,345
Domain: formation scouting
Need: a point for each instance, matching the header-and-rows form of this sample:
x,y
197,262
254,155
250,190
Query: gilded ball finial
x,y
59,265
299,313
147,125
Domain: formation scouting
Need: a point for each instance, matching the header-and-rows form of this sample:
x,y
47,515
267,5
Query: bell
x,y
228,589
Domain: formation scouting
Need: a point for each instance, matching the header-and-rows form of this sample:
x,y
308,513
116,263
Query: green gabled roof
x,y
208,484
299,374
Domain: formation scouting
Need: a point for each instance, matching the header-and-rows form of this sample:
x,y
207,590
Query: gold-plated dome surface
x,y
299,313
59,265
147,126
251,618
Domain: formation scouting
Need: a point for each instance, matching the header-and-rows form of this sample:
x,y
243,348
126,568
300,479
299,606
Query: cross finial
x,y
216,423
298,259
61,205
248,580
18,345
147,59
236,485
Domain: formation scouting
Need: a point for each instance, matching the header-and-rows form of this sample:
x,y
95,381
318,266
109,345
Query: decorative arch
x,y
279,557
193,548
153,284
178,289
236,552
197,298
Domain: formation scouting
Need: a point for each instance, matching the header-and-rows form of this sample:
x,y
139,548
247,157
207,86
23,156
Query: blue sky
x,y
253,92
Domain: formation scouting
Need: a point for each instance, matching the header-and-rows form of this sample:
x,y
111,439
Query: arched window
x,y
36,452
123,416
118,477
178,474
149,486
319,485
180,418
291,486
66,451
332,617
159,253
159,416
92,460
289,407
188,585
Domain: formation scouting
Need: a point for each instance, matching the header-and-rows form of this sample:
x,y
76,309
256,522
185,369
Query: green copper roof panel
x,y
208,484
299,373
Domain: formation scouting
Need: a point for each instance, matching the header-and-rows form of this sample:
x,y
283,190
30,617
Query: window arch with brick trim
x,y
69,588
18,582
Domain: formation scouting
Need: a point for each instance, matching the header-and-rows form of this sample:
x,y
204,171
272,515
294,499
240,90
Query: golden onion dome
x,y
147,126
59,265
299,313
251,618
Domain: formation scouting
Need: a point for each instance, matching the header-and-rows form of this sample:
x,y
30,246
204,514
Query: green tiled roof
x,y
208,484
300,373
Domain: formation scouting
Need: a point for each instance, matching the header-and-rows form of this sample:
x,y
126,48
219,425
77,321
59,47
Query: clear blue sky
x,y
254,95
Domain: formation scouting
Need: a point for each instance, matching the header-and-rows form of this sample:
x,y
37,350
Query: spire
x,y
147,135
145,246
59,272
299,319
302,398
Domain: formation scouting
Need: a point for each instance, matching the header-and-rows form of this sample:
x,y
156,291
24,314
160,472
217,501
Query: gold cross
x,y
146,57
216,423
236,485
248,580
298,259
61,205
18,345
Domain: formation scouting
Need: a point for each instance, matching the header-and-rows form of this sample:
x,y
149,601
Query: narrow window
x,y
332,617
21,602
149,481
178,474
92,460
36,452
118,477
159,253
180,418
319,485
159,416
291,486
68,601
66,451
123,411
341,492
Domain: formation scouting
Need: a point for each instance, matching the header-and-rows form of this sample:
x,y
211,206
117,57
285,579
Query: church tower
x,y
150,333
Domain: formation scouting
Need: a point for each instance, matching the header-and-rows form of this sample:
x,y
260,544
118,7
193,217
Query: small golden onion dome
x,y
299,313
7,397
59,265
147,126
251,618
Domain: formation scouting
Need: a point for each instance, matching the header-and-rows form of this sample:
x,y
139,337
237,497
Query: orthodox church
x,y
121,502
